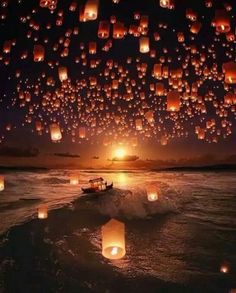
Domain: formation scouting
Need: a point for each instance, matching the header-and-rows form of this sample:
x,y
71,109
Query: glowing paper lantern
x,y
62,72
104,29
91,9
74,180
82,132
113,240
229,70
173,101
39,52
144,45
152,194
42,212
139,124
222,21
55,132
2,183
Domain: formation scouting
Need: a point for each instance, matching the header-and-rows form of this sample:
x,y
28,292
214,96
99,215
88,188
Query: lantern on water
x,y
91,9
55,132
152,194
229,70
2,184
62,72
144,45
113,240
173,101
74,180
39,52
42,212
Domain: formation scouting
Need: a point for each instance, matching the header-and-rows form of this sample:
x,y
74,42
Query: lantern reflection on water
x,y
42,212
113,240
2,184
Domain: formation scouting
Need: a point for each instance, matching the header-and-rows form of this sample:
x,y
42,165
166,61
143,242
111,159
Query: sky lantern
x,y
173,101
144,45
2,183
55,132
91,9
104,30
138,124
229,70
42,212
39,52
196,27
169,4
222,21
119,30
113,240
82,132
62,72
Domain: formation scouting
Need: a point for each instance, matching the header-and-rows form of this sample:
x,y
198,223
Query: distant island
x,y
219,167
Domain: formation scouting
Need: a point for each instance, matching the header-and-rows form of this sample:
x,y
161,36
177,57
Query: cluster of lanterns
x,y
84,89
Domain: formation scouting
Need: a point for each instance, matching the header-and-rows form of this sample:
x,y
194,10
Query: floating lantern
x,y
82,132
152,194
42,212
173,101
229,70
91,9
62,72
55,132
74,180
224,268
222,21
39,52
113,240
2,183
144,45
104,29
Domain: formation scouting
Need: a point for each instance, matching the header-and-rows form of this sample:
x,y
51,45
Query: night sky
x,y
94,116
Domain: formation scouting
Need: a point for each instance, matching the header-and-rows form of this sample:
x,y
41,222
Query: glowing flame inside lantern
x,y
2,185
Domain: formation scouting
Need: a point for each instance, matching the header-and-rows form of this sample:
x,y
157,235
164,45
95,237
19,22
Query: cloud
x,y
66,155
125,159
18,152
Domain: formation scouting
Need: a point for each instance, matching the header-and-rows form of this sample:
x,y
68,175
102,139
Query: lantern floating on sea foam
x,y
113,240
2,183
42,212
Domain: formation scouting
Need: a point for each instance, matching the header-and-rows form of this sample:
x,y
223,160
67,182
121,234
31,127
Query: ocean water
x,y
177,244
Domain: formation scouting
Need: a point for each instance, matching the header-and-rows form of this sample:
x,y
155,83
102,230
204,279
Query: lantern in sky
x,y
229,70
39,52
104,29
42,212
55,132
144,45
113,240
2,184
173,101
82,132
222,21
91,9
62,72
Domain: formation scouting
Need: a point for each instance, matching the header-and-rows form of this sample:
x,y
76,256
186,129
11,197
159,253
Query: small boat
x,y
97,185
